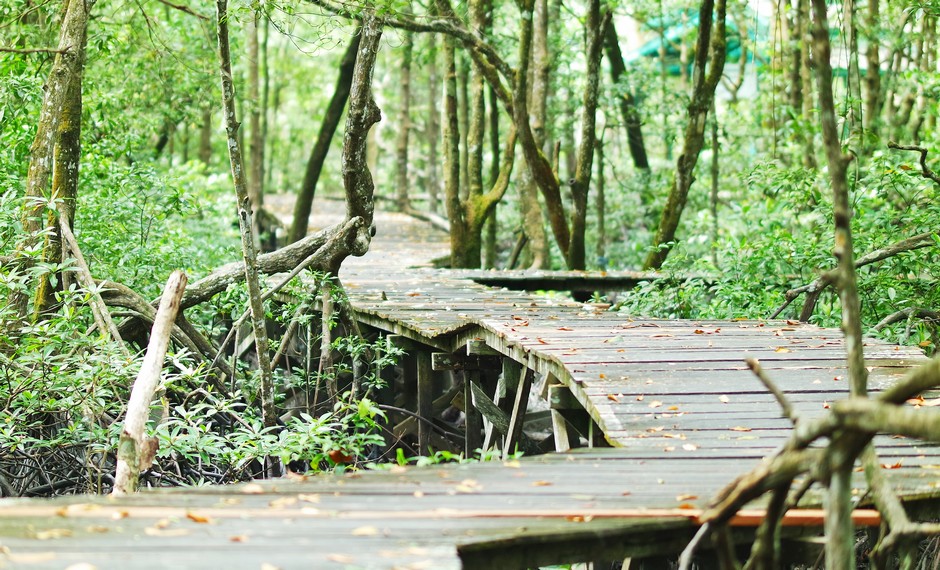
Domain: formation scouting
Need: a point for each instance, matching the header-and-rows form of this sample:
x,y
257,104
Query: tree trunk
x,y
61,102
452,157
628,110
600,205
585,166
334,112
710,48
363,114
873,67
840,551
256,141
433,131
245,225
492,221
205,136
404,122
532,224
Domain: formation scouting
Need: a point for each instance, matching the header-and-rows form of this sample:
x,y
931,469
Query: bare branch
x,y
925,170
781,398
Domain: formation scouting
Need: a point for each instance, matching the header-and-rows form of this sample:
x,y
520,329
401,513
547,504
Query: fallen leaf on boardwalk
x,y
512,464
687,506
267,566
165,532
283,502
602,375
655,429
340,558
53,533
674,435
418,494
468,486
118,515
740,428
640,398
365,531
699,331
672,408
541,340
792,322
97,529
655,404
579,518
309,498
724,399
689,447
826,405
782,349
162,523
80,507
891,466
198,518
669,448
918,401
238,538
252,489
626,493
542,483
565,329
413,294
662,335
617,338
296,476
686,497
613,398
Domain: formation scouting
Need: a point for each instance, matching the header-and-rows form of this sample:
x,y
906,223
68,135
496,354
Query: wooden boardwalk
x,y
665,412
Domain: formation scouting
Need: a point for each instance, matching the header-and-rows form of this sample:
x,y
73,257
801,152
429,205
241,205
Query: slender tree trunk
x,y
245,225
703,93
628,110
532,223
401,179
255,141
331,119
492,221
463,116
600,206
433,131
853,118
873,67
205,137
452,153
585,165
840,551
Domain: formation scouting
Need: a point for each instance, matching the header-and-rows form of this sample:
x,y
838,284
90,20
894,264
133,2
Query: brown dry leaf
x,y
196,518
655,404
512,464
579,518
162,523
541,483
673,408
365,531
97,529
687,506
541,340
686,497
413,294
891,466
283,502
640,398
468,486
309,497
740,428
792,322
53,533
782,349
118,515
698,331
662,335
238,538
826,405
918,401
565,329
655,429
669,448
418,494
612,397
252,489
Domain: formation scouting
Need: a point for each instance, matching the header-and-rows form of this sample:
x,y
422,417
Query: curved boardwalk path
x,y
666,413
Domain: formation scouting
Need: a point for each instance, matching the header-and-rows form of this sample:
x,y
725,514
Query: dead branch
x,y
327,245
184,9
814,289
778,394
925,170
908,313
135,450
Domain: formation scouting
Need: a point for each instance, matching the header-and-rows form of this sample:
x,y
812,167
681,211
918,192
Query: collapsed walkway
x,y
652,417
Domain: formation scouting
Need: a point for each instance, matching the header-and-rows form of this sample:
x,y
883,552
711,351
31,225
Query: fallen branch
x,y
909,312
135,450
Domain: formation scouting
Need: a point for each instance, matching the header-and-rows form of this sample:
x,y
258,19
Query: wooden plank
x,y
425,399
514,433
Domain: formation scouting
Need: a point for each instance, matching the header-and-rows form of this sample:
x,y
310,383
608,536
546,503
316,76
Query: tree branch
x,y
925,170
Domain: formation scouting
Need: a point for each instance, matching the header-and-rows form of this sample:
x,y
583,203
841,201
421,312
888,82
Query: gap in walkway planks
x,y
674,399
